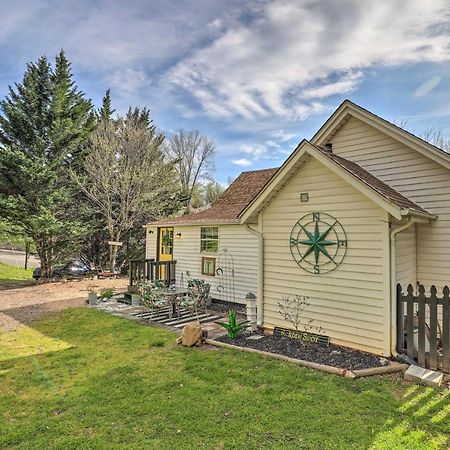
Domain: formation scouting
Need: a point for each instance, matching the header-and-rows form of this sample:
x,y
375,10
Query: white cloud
x,y
282,135
128,81
294,54
346,84
256,151
243,162
428,86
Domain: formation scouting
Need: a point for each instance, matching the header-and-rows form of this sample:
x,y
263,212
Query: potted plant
x,y
135,300
106,294
92,297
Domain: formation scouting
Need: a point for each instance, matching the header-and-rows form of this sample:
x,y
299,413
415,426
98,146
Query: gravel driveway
x,y
26,303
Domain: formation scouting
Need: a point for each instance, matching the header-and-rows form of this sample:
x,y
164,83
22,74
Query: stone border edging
x,y
312,365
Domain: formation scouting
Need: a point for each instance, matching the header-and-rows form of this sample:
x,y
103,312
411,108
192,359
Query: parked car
x,y
72,269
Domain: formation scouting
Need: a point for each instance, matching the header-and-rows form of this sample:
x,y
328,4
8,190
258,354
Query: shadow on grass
x,y
15,284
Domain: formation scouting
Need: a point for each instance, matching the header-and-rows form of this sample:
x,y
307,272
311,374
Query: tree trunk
x,y
44,256
27,253
112,257
113,249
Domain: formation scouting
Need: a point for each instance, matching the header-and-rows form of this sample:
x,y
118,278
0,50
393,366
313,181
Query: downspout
x,y
393,315
260,285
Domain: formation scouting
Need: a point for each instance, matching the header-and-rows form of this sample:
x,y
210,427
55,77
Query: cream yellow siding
x,y
150,243
416,176
241,245
405,257
350,303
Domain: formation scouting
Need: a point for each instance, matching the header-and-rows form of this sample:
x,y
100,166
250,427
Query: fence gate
x,y
423,326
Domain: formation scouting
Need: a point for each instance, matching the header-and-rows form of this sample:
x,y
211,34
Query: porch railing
x,y
423,326
148,270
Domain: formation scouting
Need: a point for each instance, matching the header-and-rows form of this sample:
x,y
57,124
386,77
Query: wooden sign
x,y
116,243
303,336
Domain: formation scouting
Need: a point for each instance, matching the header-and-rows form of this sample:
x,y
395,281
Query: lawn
x,y
10,273
118,384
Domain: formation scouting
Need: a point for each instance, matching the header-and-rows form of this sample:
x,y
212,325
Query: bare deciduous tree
x,y
436,137
193,156
126,172
292,310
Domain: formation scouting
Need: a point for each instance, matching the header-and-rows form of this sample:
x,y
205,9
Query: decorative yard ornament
x,y
318,243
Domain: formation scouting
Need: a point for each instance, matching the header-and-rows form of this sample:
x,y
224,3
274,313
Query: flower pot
x,y
135,300
92,298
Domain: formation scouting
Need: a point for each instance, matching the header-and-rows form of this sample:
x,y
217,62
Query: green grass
x,y
125,385
12,273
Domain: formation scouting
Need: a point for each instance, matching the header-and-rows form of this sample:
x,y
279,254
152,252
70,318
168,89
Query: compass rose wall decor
x,y
318,243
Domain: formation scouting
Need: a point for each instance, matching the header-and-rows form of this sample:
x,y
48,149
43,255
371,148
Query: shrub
x,y
233,327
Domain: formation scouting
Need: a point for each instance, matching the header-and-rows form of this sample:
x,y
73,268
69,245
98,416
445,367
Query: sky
x,y
256,76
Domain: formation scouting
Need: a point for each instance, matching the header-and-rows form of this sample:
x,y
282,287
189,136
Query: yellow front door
x,y
165,248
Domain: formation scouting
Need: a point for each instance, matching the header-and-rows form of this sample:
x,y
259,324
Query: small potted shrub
x,y
106,294
92,297
135,300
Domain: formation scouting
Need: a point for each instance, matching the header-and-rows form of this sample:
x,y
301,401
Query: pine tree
x,y
45,122
106,112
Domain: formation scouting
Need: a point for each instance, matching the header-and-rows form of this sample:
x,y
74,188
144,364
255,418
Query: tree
x,y
436,137
106,111
126,174
193,155
45,122
292,311
212,191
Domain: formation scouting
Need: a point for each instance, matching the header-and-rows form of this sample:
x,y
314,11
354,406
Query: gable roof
x,y
348,109
229,205
379,192
373,182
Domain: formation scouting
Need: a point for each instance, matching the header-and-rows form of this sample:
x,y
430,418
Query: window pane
x,y
209,239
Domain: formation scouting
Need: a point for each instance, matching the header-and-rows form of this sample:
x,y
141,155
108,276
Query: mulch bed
x,y
223,307
332,356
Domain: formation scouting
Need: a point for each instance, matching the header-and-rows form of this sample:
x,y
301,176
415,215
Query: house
x,y
212,244
360,207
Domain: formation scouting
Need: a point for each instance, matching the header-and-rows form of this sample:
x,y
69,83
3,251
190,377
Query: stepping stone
x,y
254,337
424,376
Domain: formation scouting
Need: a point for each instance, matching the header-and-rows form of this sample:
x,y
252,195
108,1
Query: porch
x,y
148,270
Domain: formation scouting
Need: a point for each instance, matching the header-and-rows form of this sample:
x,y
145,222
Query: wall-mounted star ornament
x,y
318,243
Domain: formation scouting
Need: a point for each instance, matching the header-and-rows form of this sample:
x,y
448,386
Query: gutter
x,y
260,287
393,315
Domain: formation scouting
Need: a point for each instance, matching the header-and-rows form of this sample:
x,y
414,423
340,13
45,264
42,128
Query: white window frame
x,y
202,240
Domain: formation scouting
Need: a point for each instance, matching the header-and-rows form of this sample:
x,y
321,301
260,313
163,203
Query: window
x,y
209,266
209,239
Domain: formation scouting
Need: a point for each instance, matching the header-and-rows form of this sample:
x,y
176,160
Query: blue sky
x,y
255,76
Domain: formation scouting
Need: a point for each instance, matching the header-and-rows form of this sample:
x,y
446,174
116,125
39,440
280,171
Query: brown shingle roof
x,y
373,182
229,205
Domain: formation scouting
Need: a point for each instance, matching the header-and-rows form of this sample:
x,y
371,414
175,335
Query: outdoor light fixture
x,y
178,235
150,231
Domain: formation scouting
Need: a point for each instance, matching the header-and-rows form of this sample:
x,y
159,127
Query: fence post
x,y
446,330
433,328
400,321
421,331
410,322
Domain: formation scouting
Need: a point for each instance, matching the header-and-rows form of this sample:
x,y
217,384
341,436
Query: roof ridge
x,y
447,154
258,170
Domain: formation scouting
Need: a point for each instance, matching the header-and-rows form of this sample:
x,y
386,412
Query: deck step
x,y
204,320
177,321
